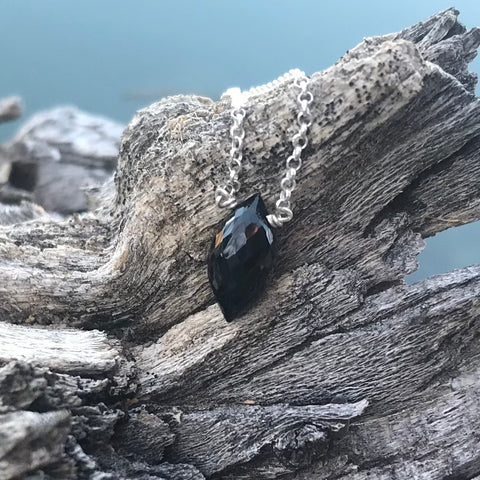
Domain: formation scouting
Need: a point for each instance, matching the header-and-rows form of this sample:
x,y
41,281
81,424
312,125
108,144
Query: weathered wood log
x,y
10,108
115,361
59,153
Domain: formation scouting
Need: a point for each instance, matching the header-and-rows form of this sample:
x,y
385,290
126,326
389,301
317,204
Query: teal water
x,y
114,57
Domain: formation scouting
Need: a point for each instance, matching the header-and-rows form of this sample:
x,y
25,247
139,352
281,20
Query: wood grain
x,y
115,361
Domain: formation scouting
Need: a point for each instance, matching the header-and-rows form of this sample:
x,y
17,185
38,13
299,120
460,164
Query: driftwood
x,y
117,364
56,155
10,109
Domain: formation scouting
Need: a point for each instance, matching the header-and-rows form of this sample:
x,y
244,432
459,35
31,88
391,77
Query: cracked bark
x,y
115,361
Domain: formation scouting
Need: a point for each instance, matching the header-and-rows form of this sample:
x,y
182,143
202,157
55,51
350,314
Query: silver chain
x,y
283,210
225,196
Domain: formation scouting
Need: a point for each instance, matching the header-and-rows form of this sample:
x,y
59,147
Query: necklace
x,y
242,252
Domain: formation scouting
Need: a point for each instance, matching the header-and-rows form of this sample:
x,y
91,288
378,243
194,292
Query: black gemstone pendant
x,y
241,257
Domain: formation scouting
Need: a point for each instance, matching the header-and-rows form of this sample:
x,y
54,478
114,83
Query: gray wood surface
x,y
10,109
57,154
115,361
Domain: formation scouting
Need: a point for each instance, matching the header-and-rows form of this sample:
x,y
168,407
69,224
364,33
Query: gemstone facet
x,y
241,257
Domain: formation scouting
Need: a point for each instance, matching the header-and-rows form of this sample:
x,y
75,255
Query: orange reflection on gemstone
x,y
218,238
251,230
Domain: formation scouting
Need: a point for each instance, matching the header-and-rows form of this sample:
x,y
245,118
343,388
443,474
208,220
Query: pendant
x,y
241,257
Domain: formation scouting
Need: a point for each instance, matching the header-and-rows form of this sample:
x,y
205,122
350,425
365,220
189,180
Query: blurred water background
x,y
113,57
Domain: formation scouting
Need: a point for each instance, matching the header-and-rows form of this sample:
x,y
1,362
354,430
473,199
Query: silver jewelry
x,y
242,252
225,196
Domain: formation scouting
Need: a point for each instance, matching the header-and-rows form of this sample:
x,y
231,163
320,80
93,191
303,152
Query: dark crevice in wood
x,y
402,202
23,176
468,471
381,287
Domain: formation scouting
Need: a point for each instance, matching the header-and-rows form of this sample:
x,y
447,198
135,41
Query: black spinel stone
x,y
241,257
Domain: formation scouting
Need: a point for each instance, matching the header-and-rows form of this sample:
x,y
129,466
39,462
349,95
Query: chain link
x,y
225,196
283,208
